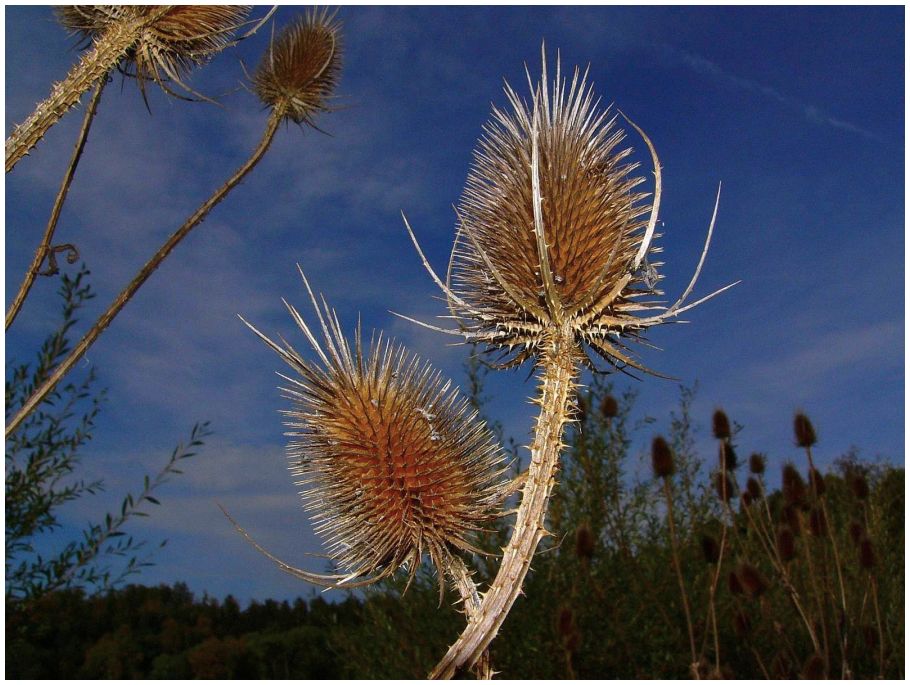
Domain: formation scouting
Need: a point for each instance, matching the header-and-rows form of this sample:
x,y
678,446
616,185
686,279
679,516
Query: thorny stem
x,y
558,382
41,252
674,548
467,590
105,319
107,52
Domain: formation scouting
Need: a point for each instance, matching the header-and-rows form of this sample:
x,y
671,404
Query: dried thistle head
x,y
172,41
301,68
720,425
393,462
554,234
661,458
803,430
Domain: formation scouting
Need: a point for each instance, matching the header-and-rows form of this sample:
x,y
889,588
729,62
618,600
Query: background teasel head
x,y
175,39
393,462
553,233
301,68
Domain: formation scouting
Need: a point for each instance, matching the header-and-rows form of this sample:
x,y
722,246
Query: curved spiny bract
x,y
393,462
301,68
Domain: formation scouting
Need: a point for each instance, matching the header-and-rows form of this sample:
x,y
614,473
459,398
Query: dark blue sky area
x,y
799,111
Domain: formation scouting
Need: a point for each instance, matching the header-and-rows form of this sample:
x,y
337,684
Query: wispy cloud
x,y
713,70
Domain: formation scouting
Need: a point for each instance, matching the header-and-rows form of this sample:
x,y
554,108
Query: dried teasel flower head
x,y
793,485
554,236
803,430
609,407
753,487
723,486
393,462
786,543
720,425
710,549
859,486
727,456
584,542
300,70
866,554
818,523
757,463
662,458
816,482
174,39
814,668
751,580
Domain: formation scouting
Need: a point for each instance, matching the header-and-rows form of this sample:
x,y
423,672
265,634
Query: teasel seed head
x,y
584,542
757,463
866,554
723,486
751,580
816,482
804,431
818,524
709,549
786,543
393,463
662,458
793,485
565,622
814,668
176,39
609,407
790,516
753,487
721,425
300,70
727,456
553,233
859,486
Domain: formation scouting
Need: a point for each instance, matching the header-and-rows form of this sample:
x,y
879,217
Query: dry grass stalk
x,y
156,42
550,263
279,113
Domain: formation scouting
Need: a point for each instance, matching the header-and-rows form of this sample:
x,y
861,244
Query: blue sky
x,y
799,111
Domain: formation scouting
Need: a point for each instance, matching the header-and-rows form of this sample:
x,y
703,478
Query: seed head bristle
x,y
662,458
393,462
174,41
301,68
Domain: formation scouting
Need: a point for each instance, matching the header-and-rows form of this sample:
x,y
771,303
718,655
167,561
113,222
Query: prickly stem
x,y
560,371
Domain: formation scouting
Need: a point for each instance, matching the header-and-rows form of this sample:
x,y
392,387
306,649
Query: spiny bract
x,y
301,68
553,234
393,461
176,38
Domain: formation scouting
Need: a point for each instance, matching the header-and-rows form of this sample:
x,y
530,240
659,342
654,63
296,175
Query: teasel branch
x,y
42,251
394,464
550,264
160,43
320,63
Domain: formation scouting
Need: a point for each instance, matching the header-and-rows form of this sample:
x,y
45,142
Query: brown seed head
x,y
816,482
300,70
859,486
804,431
818,524
709,549
584,542
553,232
814,668
565,622
786,543
866,554
727,456
392,461
723,486
790,516
751,580
175,39
757,463
753,487
793,485
661,458
721,425
609,408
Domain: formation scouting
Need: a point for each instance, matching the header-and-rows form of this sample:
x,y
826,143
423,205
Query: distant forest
x,y
804,580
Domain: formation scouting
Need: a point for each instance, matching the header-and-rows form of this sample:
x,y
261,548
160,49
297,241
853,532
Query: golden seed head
x,y
721,425
804,431
553,231
175,39
301,68
662,458
393,462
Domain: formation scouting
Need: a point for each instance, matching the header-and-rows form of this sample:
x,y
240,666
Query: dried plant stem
x,y
674,549
127,293
712,595
108,50
41,252
557,385
878,621
467,590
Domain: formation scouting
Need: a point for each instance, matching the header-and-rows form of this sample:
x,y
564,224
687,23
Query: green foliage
x,y
42,460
